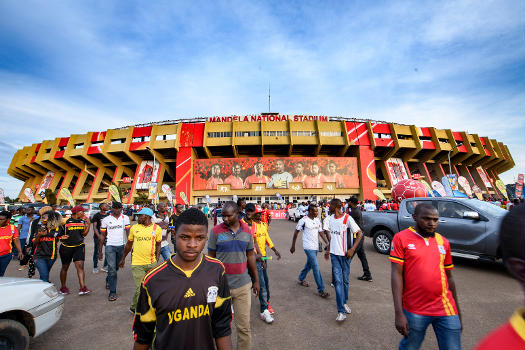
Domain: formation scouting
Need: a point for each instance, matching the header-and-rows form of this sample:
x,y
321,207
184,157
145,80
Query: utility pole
x,y
269,98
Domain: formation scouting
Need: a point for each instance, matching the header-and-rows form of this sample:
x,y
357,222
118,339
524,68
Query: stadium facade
x,y
260,157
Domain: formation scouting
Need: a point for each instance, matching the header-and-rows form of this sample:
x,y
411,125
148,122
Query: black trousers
x,y
360,251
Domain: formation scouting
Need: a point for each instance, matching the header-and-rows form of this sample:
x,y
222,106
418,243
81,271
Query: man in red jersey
x,y
258,176
511,335
235,180
422,285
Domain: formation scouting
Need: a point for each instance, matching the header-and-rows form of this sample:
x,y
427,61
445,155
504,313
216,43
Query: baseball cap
x,y
146,211
77,208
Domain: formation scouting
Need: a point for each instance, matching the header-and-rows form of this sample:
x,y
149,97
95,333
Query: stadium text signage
x,y
267,118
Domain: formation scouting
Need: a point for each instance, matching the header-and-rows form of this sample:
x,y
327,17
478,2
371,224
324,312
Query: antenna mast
x,y
269,98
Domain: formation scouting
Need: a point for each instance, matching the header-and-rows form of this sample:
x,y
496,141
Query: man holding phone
x,y
345,236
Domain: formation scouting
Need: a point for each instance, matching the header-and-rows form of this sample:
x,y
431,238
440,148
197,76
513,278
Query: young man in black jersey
x,y
73,248
185,303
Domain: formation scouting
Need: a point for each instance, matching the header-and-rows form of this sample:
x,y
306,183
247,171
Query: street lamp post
x,y
450,164
153,154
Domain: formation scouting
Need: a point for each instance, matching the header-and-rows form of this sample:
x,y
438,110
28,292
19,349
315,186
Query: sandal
x,y
112,298
303,283
324,294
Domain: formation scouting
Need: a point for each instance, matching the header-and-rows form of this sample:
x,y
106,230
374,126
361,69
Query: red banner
x,y
276,173
519,186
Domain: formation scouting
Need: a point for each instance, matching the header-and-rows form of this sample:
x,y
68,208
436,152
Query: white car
x,y
28,308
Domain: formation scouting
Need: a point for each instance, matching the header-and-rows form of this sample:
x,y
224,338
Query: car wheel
x,y
13,335
382,240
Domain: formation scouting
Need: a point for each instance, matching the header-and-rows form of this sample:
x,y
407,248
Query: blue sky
x,y
76,66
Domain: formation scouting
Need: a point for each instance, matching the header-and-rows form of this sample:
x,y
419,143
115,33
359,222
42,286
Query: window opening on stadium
x,y
247,133
331,133
166,137
276,133
304,133
220,134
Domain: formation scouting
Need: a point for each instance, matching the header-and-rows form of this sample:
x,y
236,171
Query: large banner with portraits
x,y
242,173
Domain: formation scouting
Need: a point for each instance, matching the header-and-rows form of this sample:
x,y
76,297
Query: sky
x,y
69,67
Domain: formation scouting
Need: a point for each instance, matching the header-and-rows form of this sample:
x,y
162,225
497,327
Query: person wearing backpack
x,y
345,236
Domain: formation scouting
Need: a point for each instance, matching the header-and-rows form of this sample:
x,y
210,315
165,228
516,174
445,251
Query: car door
x,y
463,234
405,212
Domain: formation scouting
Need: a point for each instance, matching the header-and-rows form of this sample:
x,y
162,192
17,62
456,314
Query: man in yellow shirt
x,y
262,238
145,238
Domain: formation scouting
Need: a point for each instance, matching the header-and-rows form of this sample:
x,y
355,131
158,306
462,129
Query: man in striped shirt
x,y
422,285
232,243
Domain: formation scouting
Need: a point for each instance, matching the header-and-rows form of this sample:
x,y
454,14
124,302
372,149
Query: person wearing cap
x,y
145,239
262,238
74,249
116,228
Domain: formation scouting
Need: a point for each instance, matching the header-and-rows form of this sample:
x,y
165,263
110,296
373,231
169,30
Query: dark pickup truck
x,y
470,225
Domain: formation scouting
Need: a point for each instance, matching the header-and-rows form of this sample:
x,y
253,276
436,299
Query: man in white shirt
x,y
116,228
369,206
310,226
162,219
345,236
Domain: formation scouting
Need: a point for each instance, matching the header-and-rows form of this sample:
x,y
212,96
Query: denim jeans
x,y
165,252
311,263
340,271
4,261
44,265
264,292
113,255
447,329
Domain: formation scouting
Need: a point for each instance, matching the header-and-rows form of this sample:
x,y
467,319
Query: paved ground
x,y
303,320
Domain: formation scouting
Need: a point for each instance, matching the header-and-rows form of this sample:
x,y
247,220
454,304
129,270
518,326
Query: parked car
x,y
470,225
29,307
91,208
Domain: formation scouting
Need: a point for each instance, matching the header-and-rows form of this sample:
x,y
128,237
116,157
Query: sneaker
x,y
332,285
64,291
365,278
112,297
266,317
104,268
95,270
340,317
84,291
347,309
270,309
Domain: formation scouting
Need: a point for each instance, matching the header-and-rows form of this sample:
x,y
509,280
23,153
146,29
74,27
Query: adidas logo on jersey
x,y
189,293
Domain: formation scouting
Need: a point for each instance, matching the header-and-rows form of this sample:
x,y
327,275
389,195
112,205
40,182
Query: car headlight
x,y
51,291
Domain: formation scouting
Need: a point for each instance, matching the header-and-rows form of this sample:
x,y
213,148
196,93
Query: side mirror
x,y
473,215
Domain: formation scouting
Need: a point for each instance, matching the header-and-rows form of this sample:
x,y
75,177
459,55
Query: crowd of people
x,y
190,299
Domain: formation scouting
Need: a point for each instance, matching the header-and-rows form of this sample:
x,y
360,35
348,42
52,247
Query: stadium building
x,y
259,157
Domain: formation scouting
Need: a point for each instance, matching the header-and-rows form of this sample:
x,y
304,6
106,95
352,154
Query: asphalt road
x,y
488,296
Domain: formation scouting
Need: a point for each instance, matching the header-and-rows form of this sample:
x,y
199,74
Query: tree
x,y
50,197
142,198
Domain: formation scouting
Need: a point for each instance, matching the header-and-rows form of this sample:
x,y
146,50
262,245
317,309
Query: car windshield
x,y
489,208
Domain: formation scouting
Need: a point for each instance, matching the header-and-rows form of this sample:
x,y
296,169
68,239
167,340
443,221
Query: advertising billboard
x,y
148,172
396,170
242,173
46,182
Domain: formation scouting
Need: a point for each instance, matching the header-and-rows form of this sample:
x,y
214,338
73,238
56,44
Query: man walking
x,y
97,221
162,219
345,236
145,238
73,249
232,243
23,227
173,221
262,238
355,213
423,289
8,236
116,228
310,226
